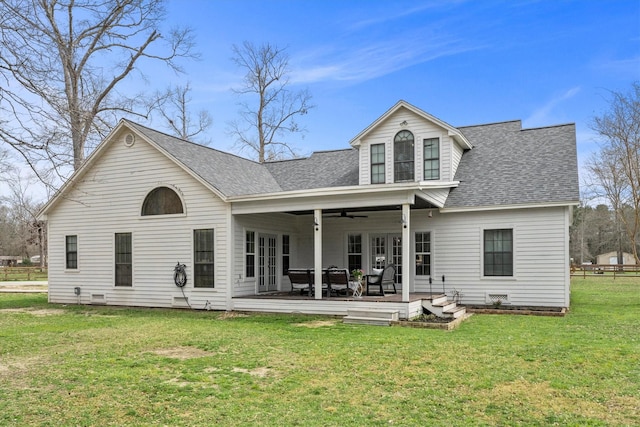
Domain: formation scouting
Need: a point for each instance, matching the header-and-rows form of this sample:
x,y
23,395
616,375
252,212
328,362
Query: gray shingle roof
x,y
231,175
322,169
509,166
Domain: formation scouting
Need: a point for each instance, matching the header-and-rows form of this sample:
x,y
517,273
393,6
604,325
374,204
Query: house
x,y
612,258
10,261
483,211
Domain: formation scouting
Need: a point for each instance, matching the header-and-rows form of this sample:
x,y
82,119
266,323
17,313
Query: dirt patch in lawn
x,y
256,372
182,353
317,323
231,315
545,399
35,311
15,370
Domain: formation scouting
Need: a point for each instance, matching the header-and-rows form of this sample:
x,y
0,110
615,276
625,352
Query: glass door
x,y
267,263
378,251
387,249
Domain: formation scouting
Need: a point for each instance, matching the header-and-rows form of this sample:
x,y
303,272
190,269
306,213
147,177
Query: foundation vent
x,y
98,299
497,298
180,302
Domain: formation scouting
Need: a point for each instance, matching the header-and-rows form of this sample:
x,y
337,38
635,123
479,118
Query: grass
x,y
81,365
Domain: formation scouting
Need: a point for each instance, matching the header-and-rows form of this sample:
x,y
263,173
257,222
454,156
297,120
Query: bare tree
x,y
174,109
25,232
273,109
615,170
61,65
4,163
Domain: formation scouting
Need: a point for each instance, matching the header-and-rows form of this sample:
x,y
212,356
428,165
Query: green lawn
x,y
76,365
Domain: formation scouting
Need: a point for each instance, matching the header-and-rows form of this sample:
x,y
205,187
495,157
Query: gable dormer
x,y
407,144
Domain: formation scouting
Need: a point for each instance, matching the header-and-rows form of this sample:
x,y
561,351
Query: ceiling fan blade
x,y
343,214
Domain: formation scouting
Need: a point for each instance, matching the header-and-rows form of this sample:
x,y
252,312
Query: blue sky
x,y
465,62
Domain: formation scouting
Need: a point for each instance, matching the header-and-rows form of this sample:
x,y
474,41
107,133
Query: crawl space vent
x,y
497,298
98,299
180,302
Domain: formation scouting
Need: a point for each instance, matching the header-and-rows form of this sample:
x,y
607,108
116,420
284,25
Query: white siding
x,y
456,156
272,224
108,200
540,236
540,270
421,129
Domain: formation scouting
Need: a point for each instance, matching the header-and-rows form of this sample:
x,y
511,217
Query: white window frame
x,y
193,254
430,253
113,253
77,267
424,159
384,163
246,253
514,253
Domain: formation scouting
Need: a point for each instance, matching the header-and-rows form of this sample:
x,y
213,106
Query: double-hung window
x,y
423,253
123,256
354,252
498,252
203,251
431,150
71,252
285,254
377,164
250,254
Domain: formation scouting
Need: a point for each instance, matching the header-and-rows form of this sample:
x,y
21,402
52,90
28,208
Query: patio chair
x,y
301,280
339,281
382,278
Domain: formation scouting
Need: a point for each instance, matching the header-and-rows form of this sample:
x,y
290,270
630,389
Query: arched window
x,y
162,201
403,156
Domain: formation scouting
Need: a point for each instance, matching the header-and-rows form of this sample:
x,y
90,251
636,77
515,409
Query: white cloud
x,y
397,13
361,63
542,115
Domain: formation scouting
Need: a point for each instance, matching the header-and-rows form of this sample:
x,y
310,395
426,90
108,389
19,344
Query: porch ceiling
x,y
419,204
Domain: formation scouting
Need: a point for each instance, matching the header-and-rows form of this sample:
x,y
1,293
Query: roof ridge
x,y
550,126
190,142
335,150
490,124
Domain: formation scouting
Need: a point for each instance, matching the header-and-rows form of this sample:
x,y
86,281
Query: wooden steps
x,y
441,307
364,316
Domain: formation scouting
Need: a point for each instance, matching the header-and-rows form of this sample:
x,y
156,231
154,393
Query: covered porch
x,y
321,223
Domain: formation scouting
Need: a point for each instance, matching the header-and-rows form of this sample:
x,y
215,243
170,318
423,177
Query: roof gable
x,y
229,174
453,132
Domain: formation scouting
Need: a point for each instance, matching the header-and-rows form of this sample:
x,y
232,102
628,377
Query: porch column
x,y
317,252
406,251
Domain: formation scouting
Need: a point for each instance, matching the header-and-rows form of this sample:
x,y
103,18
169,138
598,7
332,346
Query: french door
x,y
267,263
387,249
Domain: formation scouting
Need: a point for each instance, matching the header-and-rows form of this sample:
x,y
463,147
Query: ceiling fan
x,y
343,214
